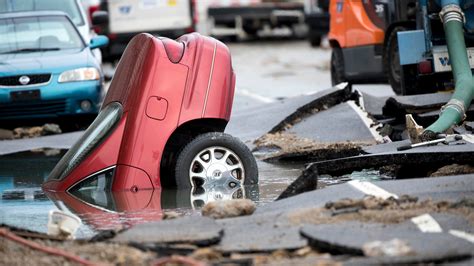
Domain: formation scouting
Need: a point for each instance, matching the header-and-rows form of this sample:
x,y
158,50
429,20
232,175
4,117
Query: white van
x,y
169,18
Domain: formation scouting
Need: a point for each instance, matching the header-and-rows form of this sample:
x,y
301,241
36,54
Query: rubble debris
x,y
33,132
453,169
178,260
191,229
392,248
221,209
414,130
293,148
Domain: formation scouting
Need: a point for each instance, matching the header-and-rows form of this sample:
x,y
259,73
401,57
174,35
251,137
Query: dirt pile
x,y
453,169
30,132
389,211
290,146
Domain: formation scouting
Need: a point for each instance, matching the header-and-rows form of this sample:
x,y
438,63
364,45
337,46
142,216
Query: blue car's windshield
x,y
70,7
38,34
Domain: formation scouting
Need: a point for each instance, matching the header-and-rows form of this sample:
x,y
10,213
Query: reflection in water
x,y
104,211
23,204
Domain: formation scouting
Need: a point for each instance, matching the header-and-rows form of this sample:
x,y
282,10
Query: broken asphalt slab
x,y
340,123
449,188
276,116
264,233
401,105
191,229
350,238
435,156
273,226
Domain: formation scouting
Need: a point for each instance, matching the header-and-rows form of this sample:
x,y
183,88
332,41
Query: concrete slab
x,y
191,229
60,141
438,155
275,116
347,119
259,233
450,188
349,238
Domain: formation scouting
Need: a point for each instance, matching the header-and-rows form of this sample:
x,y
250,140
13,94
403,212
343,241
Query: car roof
x,y
32,14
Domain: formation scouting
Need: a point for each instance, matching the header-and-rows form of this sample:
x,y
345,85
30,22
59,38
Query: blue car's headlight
x,y
79,74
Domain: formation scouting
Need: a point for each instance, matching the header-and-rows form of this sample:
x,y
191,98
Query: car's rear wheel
x,y
215,158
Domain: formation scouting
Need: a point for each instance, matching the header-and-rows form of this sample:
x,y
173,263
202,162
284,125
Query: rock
x,y
168,215
228,208
51,129
6,134
392,248
33,132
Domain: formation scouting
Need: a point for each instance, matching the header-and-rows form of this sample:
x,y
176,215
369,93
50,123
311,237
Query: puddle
x,y
24,205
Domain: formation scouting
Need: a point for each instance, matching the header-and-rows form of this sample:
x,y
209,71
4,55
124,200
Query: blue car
x,y
46,68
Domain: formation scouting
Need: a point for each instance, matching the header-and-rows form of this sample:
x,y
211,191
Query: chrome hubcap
x,y
216,166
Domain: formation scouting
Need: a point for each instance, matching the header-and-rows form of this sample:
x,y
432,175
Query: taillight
x,y
425,67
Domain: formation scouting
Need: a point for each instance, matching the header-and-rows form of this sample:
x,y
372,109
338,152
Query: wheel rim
x,y
201,196
216,166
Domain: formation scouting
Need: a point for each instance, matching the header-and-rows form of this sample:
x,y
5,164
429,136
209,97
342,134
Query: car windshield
x,y
69,7
38,34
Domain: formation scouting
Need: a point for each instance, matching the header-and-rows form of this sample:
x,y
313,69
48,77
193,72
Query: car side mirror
x,y
98,41
100,17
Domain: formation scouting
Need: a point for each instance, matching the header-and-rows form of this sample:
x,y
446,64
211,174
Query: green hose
x,y
454,111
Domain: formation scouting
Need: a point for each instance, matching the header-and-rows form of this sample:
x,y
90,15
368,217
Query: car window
x,y
69,7
35,34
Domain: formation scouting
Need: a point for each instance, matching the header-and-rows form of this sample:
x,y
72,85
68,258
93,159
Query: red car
x,y
162,122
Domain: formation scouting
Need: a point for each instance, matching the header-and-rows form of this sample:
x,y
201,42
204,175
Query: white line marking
x,y
254,96
367,121
463,235
371,189
427,224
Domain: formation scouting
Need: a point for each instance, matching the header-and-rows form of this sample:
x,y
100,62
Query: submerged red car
x,y
161,123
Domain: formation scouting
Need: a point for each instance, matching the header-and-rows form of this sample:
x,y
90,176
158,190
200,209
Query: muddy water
x,y
24,205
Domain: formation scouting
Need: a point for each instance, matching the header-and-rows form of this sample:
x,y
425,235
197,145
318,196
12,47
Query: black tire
x,y
315,40
391,61
222,141
337,66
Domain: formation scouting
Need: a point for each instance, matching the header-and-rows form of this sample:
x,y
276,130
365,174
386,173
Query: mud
x,y
375,210
453,169
293,148
97,253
